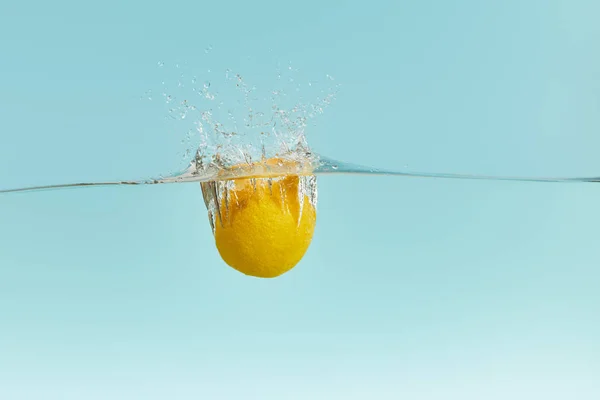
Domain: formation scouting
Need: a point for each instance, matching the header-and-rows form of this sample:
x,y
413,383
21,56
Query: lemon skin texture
x,y
263,230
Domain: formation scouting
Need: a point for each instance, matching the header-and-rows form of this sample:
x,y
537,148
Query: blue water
x,y
412,288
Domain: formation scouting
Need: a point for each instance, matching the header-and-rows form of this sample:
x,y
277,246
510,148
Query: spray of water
x,y
232,126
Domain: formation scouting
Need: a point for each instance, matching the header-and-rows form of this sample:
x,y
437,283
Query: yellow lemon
x,y
264,226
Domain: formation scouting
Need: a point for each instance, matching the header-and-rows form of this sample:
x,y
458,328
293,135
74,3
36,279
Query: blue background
x,y
420,289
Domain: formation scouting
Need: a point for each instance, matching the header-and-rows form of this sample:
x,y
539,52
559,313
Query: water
x,y
312,165
422,288
307,164
227,131
230,122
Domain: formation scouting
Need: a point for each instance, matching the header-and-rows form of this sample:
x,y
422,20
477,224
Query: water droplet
x,y
161,64
208,49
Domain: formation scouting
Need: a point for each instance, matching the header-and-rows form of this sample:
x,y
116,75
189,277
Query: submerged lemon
x,y
263,226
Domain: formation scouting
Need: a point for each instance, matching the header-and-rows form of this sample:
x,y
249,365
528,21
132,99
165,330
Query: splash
x,y
217,194
232,127
231,121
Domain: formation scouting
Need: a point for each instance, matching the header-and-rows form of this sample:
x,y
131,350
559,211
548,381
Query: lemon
x,y
264,226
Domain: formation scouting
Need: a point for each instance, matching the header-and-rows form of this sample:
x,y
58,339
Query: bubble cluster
x,y
226,120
